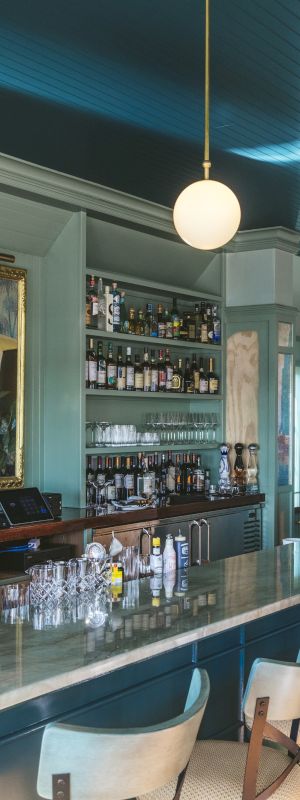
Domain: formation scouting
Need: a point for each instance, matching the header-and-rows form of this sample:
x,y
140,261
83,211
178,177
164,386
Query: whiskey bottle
x,y
147,371
177,380
154,373
161,372
116,307
91,372
161,327
196,374
204,337
169,371
130,387
111,369
188,377
138,374
121,371
140,324
101,367
131,321
183,331
191,327
213,380
203,379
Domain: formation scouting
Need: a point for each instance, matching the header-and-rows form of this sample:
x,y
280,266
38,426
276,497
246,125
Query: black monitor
x,y
24,506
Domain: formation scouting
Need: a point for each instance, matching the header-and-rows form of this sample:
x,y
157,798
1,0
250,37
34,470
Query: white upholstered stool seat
x,y
216,772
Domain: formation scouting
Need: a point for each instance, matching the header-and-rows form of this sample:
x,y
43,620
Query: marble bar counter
x,y
80,519
46,651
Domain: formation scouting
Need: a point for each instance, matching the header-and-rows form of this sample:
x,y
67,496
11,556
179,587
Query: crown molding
x,y
37,182
49,186
265,239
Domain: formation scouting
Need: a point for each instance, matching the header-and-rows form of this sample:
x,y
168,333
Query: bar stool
x,y
220,770
78,763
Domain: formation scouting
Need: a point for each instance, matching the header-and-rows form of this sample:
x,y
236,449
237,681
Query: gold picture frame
x,y
12,374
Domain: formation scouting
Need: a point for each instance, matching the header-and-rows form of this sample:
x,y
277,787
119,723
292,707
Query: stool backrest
x,y
278,680
108,764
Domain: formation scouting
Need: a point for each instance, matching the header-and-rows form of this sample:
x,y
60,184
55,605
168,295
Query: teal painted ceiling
x,y
112,91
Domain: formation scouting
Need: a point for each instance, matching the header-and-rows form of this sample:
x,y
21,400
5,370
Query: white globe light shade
x,y
206,214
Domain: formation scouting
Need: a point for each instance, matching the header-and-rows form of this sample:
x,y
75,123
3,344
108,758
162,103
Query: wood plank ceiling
x,y
112,91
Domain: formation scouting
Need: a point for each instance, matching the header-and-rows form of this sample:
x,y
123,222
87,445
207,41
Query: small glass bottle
x,y
169,555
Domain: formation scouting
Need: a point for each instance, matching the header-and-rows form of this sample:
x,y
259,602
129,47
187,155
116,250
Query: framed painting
x,y
12,351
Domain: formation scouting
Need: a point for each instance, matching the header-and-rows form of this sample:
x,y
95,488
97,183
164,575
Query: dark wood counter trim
x,y
75,519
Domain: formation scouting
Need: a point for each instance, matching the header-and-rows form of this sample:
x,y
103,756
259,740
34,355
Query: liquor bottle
x,y
188,377
90,487
90,474
197,323
101,367
213,380
224,469
163,479
177,380
183,331
196,374
140,324
178,481
204,337
170,474
203,379
206,482
184,473
210,325
101,322
216,325
146,371
175,319
124,323
168,324
151,470
147,488
169,372
100,479
128,479
154,373
121,371
129,371
116,307
131,321
239,468
161,327
94,302
118,478
88,304
111,369
91,371
150,322
252,471
110,480
138,374
189,476
108,309
161,372
191,328
198,477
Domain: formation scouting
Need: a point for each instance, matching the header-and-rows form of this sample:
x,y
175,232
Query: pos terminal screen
x,y
24,506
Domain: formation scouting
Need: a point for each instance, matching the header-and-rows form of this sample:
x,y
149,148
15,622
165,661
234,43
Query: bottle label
x,y
217,331
196,380
171,479
100,479
154,380
121,378
119,480
169,376
176,328
169,330
94,308
176,382
92,371
130,377
116,310
129,481
213,385
162,379
191,331
111,491
147,380
161,330
204,337
210,335
101,377
111,375
203,385
147,485
139,380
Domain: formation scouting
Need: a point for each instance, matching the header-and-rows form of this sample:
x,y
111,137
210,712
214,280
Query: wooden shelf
x,y
155,341
153,288
151,448
150,395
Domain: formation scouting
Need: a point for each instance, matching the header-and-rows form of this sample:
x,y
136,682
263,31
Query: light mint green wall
x,y
64,352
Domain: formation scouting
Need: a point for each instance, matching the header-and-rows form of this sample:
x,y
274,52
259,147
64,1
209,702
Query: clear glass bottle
x,y
101,307
251,471
111,369
116,307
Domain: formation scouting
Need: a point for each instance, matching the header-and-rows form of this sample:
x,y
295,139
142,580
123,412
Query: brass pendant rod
x,y
206,163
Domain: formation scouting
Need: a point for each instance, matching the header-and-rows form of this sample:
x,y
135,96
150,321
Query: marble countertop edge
x,y
99,668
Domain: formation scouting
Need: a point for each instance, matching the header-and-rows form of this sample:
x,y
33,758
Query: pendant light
x,y
207,213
